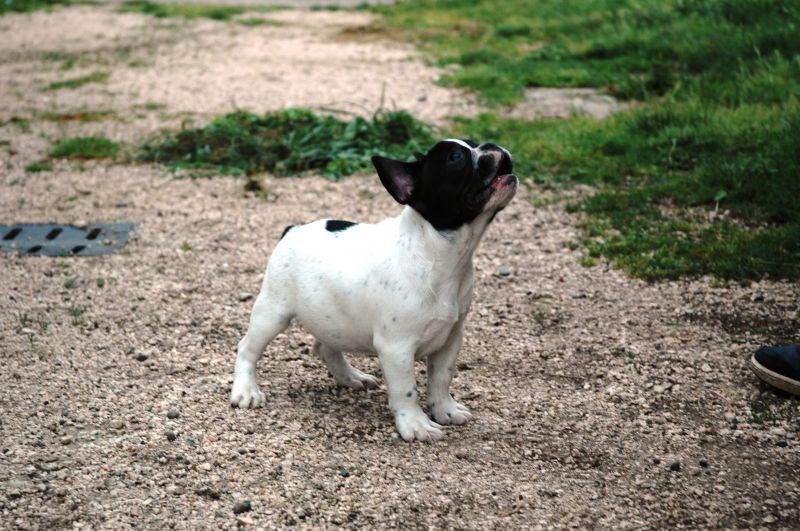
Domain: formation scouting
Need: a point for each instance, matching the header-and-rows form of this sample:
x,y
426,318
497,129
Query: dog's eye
x,y
455,156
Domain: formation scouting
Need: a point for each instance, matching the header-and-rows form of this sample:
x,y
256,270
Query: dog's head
x,y
452,184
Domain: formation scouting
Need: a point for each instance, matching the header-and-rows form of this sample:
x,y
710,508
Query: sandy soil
x,y
600,401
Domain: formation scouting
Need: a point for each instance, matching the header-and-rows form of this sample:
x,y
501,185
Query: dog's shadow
x,y
354,410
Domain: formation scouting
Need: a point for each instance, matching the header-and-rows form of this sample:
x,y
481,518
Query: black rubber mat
x,y
49,239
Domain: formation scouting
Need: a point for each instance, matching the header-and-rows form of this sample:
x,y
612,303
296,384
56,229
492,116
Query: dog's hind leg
x,y
267,321
345,374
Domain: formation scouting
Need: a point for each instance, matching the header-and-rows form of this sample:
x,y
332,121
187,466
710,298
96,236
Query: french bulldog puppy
x,y
400,288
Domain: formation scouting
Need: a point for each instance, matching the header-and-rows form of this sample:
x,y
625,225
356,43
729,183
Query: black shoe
x,y
778,366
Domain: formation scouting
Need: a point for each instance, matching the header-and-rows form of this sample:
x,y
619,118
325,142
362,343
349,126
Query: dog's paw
x,y
414,425
358,381
450,412
246,394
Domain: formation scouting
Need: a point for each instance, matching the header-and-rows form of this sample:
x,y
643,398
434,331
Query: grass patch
x,y
95,77
27,6
38,167
67,60
631,48
87,147
702,176
288,142
214,12
255,21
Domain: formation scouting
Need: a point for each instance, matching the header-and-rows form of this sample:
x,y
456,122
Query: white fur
x,y
398,288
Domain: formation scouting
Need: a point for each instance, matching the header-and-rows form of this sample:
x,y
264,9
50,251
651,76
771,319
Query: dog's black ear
x,y
418,155
399,178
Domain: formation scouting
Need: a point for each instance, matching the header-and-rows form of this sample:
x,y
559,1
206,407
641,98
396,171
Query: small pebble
x,y
242,507
781,444
117,424
172,414
168,343
344,473
243,521
704,463
142,356
656,461
174,490
504,271
461,453
676,466
171,436
243,297
67,440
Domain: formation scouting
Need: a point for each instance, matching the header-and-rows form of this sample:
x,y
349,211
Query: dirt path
x,y
587,386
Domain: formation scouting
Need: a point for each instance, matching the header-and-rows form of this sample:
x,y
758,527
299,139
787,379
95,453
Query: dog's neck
x,y
449,253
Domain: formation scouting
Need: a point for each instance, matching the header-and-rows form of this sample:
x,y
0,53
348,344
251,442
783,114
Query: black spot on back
x,y
287,229
336,225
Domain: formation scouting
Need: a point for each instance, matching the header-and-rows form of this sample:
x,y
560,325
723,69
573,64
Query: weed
x,y
43,325
186,247
23,123
539,316
101,282
588,261
37,167
87,147
24,320
289,142
95,77
76,312
71,282
150,106
67,59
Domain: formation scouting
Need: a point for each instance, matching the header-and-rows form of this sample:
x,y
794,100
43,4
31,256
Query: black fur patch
x,y
287,229
336,225
446,186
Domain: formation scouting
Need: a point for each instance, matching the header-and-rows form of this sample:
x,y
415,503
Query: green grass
x,y
95,77
87,147
26,6
717,129
212,11
255,21
38,167
288,142
631,48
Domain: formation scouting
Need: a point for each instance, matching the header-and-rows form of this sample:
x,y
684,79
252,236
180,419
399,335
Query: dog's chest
x,y
441,316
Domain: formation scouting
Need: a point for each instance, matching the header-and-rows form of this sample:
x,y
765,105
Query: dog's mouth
x,y
497,183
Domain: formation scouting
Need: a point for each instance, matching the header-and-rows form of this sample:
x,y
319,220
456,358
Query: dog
x,y
400,288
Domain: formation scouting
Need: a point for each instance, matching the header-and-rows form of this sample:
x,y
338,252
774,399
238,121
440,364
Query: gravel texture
x,y
599,400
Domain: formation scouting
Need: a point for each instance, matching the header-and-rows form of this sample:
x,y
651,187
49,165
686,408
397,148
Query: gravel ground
x,y
600,400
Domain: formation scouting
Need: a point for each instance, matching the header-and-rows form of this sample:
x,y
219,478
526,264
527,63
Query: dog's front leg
x,y
441,366
398,370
